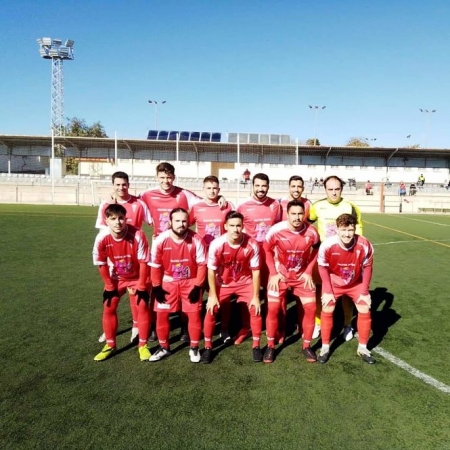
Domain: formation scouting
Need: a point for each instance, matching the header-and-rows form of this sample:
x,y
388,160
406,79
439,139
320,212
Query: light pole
x,y
54,50
427,112
156,110
316,108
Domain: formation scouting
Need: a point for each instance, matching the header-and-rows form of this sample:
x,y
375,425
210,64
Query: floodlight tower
x,y
54,50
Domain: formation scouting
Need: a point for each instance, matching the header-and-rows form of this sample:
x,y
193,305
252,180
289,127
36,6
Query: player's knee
x,y
328,306
363,306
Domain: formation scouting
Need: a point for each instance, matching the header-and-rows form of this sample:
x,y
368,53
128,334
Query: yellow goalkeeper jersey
x,y
326,213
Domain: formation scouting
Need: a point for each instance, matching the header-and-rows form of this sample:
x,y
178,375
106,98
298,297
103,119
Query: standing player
x,y
345,266
260,213
125,249
296,188
162,200
207,214
325,212
178,271
209,219
137,213
291,252
233,269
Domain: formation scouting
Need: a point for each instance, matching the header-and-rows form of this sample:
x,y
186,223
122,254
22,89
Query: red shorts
x,y
177,297
353,291
127,285
243,291
297,289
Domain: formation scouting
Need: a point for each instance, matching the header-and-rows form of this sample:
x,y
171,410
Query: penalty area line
x,y
417,373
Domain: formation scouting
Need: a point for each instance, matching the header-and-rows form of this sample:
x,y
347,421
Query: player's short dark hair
x,y
334,177
122,175
233,215
345,220
166,168
211,179
177,210
296,178
293,203
114,209
260,176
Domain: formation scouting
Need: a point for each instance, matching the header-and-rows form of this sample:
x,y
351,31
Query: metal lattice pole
x,y
57,107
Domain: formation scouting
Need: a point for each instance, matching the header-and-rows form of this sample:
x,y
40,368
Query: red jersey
x,y
346,265
284,202
137,212
179,260
160,204
259,216
233,263
210,219
290,252
122,255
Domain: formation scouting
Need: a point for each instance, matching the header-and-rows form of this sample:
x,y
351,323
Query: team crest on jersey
x,y
122,267
294,261
347,274
212,230
261,231
164,221
180,272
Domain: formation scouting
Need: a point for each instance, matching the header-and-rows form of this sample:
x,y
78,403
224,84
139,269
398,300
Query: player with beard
x,y
291,252
178,271
260,214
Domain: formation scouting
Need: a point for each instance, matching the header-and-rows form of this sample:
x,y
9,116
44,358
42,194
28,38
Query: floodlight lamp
x,y
69,43
46,41
57,42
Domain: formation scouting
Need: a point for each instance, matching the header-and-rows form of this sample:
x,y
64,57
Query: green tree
x,y
357,142
312,141
78,127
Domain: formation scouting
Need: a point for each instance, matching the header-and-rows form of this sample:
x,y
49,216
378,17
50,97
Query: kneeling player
x,y
125,249
178,263
345,266
291,251
233,269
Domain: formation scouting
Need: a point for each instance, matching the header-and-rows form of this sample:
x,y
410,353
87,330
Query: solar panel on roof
x,y
163,135
216,137
195,136
205,136
173,135
184,135
274,138
152,134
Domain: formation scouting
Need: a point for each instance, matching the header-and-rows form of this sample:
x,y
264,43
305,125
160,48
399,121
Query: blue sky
x,y
235,66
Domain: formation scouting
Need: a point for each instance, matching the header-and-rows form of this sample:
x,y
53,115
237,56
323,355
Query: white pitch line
x,y
417,373
409,242
420,220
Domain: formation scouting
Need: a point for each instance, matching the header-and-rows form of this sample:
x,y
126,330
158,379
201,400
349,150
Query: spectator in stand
x,y
412,189
246,176
368,188
421,180
402,189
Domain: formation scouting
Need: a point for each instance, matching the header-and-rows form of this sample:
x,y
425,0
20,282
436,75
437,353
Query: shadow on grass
x,y
383,316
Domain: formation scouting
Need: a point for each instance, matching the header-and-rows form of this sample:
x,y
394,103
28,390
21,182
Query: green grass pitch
x,y
53,395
